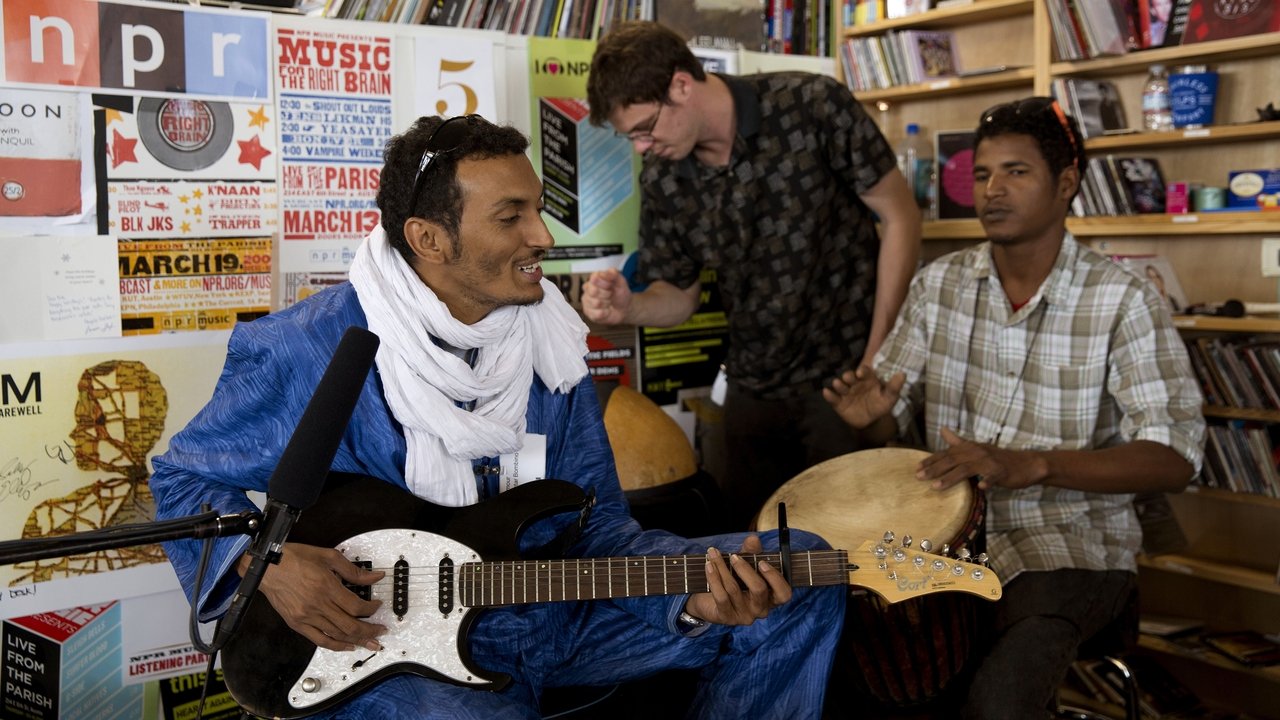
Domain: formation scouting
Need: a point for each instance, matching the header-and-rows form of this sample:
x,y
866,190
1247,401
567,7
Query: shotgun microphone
x,y
299,476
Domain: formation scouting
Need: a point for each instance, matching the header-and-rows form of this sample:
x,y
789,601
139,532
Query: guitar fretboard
x,y
487,584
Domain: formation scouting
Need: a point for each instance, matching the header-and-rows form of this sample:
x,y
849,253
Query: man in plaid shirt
x,y
1054,380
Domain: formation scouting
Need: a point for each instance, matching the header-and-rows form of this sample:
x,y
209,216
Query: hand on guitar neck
x,y
307,591
740,594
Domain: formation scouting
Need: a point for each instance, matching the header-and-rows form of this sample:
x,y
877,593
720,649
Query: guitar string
x,y
518,570
628,563
623,562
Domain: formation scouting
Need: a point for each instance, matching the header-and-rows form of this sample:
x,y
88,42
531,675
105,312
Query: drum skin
x,y
905,654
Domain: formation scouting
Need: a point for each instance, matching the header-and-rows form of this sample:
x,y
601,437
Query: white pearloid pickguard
x,y
423,637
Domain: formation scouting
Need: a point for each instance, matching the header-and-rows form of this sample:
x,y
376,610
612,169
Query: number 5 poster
x,y
455,75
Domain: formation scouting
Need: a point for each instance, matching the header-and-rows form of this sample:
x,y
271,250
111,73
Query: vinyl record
x,y
185,134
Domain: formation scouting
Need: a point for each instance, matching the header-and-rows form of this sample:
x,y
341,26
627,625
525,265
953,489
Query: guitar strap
x,y
559,545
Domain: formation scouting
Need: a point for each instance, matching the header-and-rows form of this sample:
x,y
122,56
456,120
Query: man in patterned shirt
x,y
772,181
1053,379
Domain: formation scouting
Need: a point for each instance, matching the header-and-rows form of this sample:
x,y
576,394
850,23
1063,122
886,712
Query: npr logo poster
x,y
86,44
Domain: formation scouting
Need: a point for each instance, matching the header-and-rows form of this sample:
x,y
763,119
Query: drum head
x,y
857,497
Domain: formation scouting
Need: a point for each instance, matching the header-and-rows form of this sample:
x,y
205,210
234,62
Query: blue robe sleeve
x,y
580,453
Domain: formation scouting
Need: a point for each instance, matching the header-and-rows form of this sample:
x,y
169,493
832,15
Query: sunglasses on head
x,y
1029,107
445,138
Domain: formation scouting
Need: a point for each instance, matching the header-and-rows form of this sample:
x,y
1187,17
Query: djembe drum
x,y
905,654
657,467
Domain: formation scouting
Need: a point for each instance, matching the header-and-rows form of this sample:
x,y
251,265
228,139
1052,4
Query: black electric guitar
x,y
444,564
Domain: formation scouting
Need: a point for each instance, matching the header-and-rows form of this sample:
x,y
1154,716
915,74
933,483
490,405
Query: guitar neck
x,y
489,584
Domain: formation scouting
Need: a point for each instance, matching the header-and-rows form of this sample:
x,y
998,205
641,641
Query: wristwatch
x,y
687,623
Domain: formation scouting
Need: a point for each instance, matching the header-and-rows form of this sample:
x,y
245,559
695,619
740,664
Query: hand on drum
x,y
743,599
992,466
860,398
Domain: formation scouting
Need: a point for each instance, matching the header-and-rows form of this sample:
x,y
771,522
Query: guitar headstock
x,y
897,573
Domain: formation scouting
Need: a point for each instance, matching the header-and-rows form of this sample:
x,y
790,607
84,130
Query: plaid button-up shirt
x,y
1091,361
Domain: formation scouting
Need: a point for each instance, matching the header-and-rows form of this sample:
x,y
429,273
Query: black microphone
x,y
299,476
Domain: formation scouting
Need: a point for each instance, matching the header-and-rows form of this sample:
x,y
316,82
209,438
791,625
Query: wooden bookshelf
x,y
977,12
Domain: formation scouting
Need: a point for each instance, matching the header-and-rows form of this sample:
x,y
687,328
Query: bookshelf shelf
x,y
980,11
951,86
1206,52
1160,646
969,229
1210,323
1235,413
1203,569
1199,136
1229,496
1193,224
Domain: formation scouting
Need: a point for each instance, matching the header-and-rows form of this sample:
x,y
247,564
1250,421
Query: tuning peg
x,y
888,537
906,541
984,560
880,551
946,550
963,554
926,546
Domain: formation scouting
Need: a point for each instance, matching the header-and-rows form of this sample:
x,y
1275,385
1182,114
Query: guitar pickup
x,y
364,592
446,585
400,594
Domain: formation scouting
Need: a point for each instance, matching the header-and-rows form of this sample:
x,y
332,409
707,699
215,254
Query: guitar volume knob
x,y
310,685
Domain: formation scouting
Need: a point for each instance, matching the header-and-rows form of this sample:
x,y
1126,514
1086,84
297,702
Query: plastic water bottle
x,y
915,160
1156,113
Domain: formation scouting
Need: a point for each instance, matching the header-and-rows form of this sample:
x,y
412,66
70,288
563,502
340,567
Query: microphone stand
x,y
205,525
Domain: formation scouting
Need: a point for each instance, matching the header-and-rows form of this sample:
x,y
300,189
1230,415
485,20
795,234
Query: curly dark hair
x,y
440,199
1056,133
633,64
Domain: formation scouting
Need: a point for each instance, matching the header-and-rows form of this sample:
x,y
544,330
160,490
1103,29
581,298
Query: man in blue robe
x,y
480,363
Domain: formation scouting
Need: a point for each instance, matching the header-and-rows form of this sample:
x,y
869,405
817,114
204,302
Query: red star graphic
x,y
252,152
122,149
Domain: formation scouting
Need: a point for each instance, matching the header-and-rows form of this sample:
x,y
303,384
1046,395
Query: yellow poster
x,y
79,423
593,204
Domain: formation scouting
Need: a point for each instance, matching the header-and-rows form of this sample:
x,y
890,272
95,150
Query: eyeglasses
x,y
646,134
446,137
1030,106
